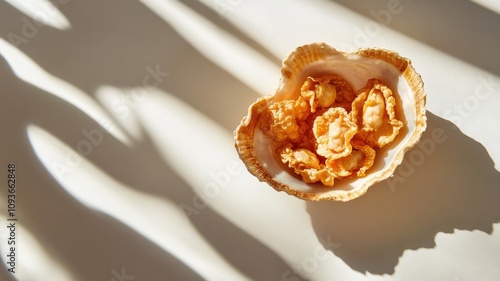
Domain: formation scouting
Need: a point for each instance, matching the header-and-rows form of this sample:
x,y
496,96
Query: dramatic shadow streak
x,y
218,18
87,243
114,49
454,187
113,244
4,274
460,28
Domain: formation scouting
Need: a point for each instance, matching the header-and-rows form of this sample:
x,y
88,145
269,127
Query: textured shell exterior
x,y
256,151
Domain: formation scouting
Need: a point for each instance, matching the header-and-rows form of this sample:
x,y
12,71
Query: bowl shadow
x,y
446,182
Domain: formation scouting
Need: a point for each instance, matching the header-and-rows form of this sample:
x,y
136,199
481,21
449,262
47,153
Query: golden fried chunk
x,y
359,161
333,131
306,164
283,120
328,90
373,111
318,92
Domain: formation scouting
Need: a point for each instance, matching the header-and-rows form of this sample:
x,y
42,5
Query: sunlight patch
x,y
44,12
30,72
144,213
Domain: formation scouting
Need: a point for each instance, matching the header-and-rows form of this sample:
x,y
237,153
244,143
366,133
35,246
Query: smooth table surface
x,y
119,116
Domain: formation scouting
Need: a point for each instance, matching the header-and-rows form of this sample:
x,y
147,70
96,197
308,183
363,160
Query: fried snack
x,y
373,111
330,132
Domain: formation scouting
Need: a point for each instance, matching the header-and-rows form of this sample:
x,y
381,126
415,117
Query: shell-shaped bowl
x,y
258,152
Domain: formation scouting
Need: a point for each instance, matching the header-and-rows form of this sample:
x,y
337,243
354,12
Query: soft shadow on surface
x,y
5,275
217,17
460,28
114,48
87,243
454,186
91,243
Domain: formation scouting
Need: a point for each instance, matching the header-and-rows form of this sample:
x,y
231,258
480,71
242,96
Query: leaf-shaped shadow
x,y
446,182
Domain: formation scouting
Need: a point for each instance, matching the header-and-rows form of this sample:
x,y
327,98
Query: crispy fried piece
x,y
333,131
373,111
306,164
318,92
328,90
309,140
359,161
284,120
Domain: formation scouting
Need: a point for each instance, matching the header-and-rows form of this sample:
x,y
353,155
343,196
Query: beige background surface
x,y
119,117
